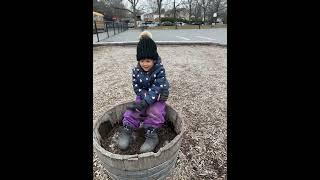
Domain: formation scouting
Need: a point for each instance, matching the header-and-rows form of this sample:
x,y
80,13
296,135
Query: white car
x,y
180,23
131,25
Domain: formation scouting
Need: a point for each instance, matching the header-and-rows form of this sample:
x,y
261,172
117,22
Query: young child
x,y
151,87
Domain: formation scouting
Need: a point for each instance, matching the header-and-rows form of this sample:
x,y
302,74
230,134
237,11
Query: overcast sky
x,y
167,4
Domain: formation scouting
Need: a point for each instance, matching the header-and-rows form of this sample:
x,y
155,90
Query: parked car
x,y
149,24
131,25
152,24
167,23
156,23
197,23
180,23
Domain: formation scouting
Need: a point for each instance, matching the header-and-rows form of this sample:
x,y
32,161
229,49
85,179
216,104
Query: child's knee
x,y
156,112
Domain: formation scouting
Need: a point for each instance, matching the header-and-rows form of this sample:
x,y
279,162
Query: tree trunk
x,y
217,4
174,10
135,17
204,14
189,12
159,7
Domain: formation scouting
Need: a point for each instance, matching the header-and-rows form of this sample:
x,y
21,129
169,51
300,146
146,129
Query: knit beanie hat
x,y
146,48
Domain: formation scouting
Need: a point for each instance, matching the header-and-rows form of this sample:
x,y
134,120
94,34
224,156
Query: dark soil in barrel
x,y
109,141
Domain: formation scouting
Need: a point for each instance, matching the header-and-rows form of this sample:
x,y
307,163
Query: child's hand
x,y
142,105
138,106
132,107
163,96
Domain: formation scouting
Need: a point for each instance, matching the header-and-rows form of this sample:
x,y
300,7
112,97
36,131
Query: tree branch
x,y
222,8
121,9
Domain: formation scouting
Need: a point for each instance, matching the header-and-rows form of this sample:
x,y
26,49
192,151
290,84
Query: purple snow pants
x,y
153,116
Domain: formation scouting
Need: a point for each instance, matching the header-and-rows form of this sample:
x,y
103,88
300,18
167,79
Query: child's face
x,y
146,64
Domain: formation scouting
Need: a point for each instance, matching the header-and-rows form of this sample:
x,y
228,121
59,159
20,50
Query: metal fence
x,y
109,28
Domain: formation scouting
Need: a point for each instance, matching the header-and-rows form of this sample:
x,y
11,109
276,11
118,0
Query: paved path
x,y
217,35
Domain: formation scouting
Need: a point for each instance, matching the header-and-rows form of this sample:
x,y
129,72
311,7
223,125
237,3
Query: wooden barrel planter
x,y
146,166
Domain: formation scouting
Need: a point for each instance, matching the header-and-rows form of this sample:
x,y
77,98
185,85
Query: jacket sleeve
x,y
160,83
136,86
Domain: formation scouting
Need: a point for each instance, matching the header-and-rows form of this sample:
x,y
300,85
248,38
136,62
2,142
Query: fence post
x,y
114,30
107,29
95,26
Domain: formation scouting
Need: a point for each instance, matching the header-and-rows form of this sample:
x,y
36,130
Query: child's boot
x,y
152,140
124,137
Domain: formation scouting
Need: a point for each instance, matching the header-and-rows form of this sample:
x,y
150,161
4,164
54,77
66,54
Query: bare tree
x,y
152,5
134,12
189,4
205,4
133,4
159,3
222,10
217,6
99,6
155,6
222,6
118,12
196,9
211,9
106,7
175,7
